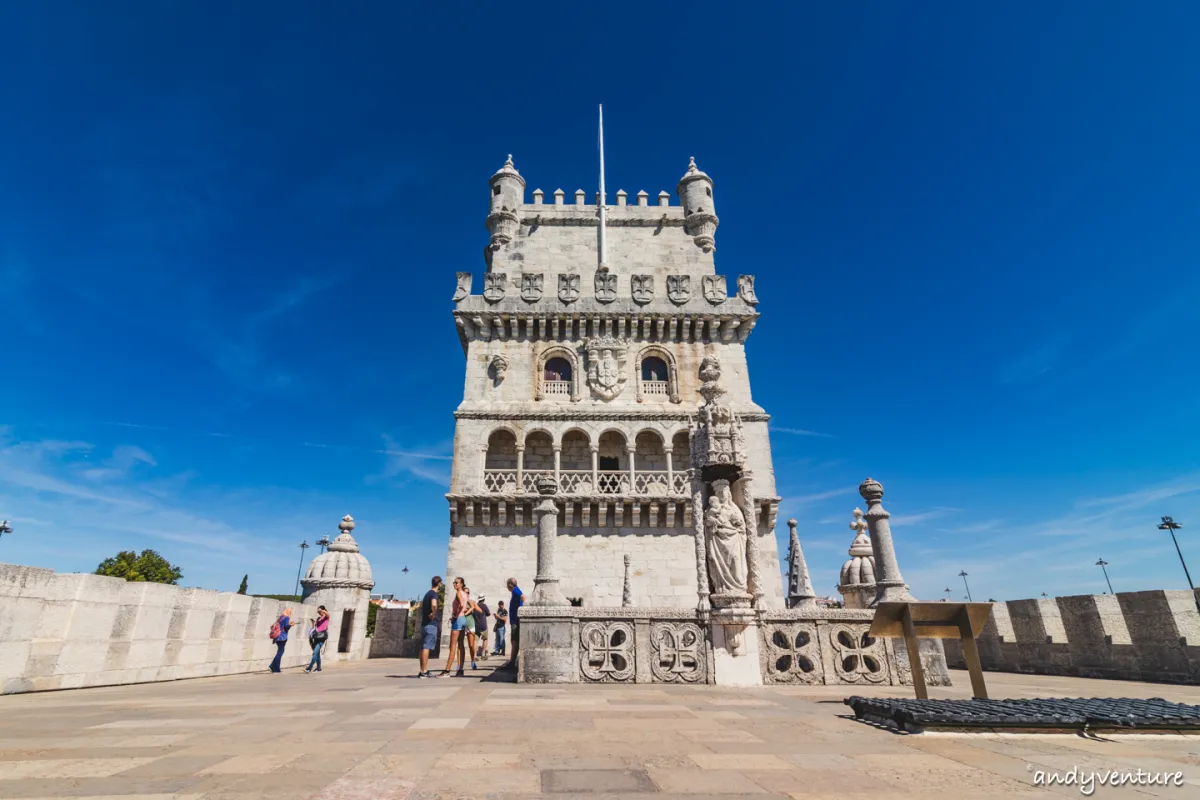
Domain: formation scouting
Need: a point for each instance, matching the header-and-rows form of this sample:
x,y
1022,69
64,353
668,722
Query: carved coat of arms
x,y
493,286
606,286
714,288
643,288
679,288
531,286
606,367
568,288
746,289
464,286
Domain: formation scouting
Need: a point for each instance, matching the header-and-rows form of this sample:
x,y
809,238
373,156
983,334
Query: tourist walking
x,y
458,626
500,628
514,620
481,616
318,637
428,623
279,635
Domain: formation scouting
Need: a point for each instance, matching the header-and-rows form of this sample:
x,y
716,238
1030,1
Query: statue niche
x,y
726,527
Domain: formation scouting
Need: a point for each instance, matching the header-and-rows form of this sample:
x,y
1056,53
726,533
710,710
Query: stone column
x,y
800,590
557,465
483,453
631,450
627,589
520,468
595,467
545,585
753,585
701,545
670,472
889,584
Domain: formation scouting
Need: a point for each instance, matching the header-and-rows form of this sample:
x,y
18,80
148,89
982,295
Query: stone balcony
x,y
670,513
579,482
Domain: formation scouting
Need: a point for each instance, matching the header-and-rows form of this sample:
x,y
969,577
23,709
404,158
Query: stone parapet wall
x,y
391,639
674,645
1144,636
63,631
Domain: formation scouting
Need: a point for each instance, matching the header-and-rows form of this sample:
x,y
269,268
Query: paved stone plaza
x,y
372,730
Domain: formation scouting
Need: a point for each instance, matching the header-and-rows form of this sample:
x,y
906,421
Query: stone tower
x,y
588,372
340,580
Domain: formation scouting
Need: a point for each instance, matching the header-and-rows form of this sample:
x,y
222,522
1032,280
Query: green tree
x,y
372,615
245,584
149,566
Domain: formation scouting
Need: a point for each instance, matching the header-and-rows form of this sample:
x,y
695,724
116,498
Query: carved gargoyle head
x,y
498,368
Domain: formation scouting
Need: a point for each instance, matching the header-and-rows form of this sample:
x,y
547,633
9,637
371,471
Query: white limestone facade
x,y
589,372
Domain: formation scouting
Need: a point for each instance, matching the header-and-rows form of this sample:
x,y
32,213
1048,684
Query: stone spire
x,y
857,581
889,583
800,590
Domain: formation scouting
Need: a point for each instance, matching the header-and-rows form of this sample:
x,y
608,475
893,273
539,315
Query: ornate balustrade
x,y
661,645
557,388
656,388
650,483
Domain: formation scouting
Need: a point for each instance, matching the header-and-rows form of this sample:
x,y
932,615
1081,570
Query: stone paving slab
x,y
374,730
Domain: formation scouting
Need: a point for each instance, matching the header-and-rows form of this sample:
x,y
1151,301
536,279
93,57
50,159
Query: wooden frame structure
x,y
912,621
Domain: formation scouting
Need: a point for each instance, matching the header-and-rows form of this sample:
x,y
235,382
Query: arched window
x,y
557,375
655,369
657,380
557,378
558,369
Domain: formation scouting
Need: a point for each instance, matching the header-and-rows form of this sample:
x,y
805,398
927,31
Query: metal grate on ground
x,y
1064,713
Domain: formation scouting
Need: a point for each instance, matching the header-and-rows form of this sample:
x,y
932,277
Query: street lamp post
x,y
4,528
963,575
946,599
1169,524
323,543
1102,564
303,547
404,581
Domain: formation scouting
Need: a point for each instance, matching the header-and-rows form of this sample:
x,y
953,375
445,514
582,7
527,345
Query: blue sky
x,y
228,239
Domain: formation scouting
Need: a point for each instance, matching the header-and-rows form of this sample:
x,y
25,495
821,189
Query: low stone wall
x,y
391,639
1143,636
74,630
831,646
666,645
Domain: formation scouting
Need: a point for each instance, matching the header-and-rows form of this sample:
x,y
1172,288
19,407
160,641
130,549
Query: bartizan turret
x,y
695,192
508,195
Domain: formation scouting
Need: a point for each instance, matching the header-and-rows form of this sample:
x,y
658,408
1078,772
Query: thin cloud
x,y
1143,497
924,516
400,462
281,443
800,432
806,499
1034,364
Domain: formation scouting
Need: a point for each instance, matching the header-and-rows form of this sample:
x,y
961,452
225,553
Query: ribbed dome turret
x,y
858,574
342,566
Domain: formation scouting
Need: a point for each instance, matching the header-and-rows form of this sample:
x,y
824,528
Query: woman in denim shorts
x,y
459,614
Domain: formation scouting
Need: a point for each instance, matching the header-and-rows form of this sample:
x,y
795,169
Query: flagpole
x,y
603,250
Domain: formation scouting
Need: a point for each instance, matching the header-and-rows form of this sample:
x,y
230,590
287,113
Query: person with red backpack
x,y
279,635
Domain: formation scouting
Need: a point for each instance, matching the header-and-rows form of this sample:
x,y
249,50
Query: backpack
x,y
276,630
